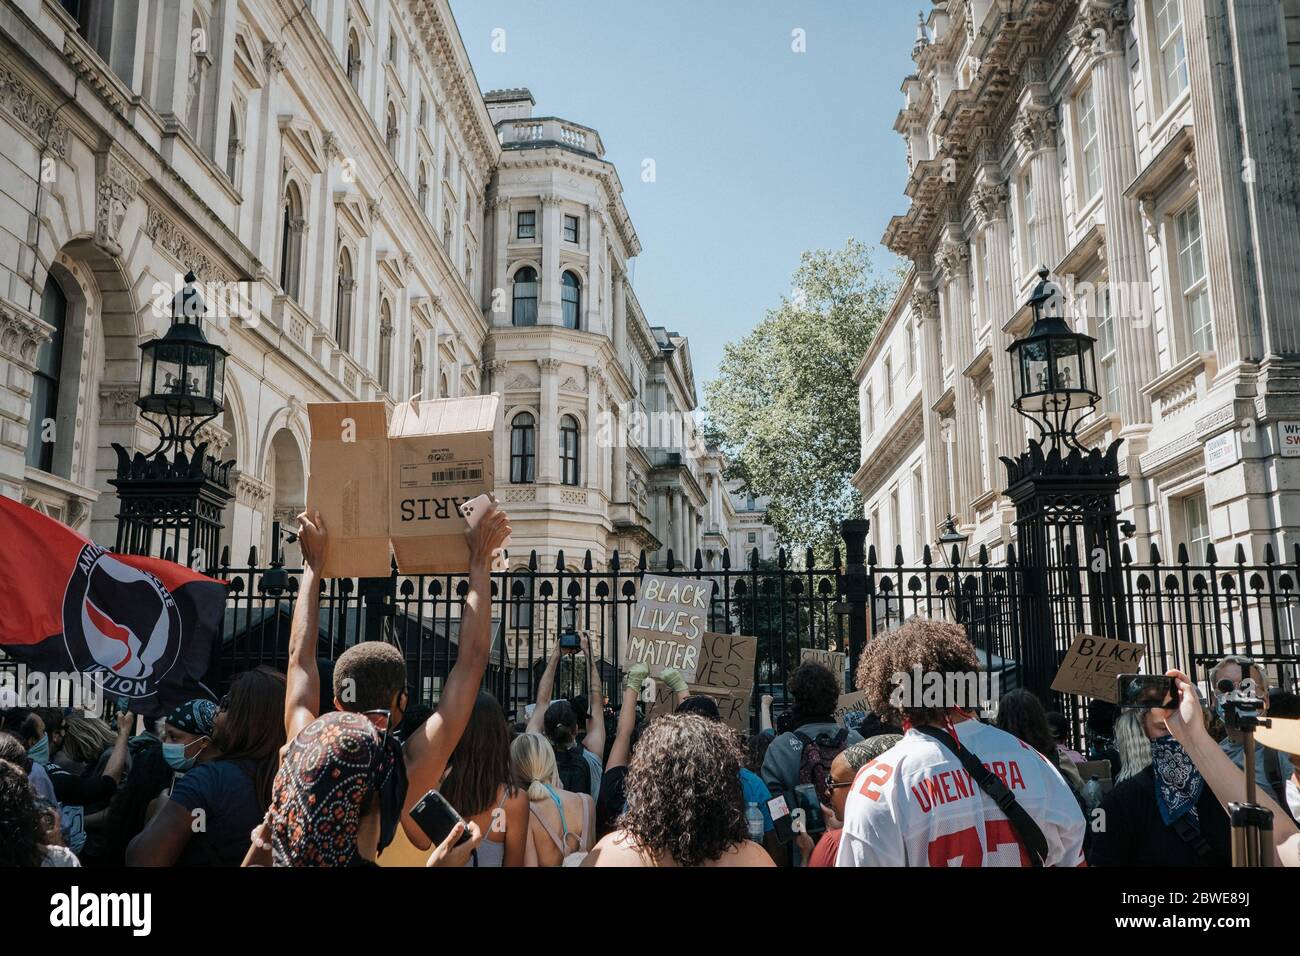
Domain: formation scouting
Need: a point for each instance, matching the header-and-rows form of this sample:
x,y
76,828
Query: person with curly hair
x,y
916,805
25,827
684,803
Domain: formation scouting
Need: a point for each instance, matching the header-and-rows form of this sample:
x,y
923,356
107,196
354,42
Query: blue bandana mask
x,y
40,751
1178,783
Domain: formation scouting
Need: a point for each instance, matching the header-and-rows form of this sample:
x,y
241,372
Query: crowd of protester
x,y
330,767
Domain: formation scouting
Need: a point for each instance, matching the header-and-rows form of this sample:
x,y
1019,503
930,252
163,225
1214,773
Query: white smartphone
x,y
473,511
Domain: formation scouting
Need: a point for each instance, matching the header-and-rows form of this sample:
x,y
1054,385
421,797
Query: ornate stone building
x,y
366,225
1146,153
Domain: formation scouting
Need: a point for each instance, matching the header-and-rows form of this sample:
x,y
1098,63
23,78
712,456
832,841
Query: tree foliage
x,y
784,405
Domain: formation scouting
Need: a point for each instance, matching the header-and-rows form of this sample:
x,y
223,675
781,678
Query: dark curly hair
x,y
21,831
815,691
683,790
933,646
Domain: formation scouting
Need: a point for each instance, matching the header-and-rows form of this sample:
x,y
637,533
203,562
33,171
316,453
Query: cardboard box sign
x,y
402,482
833,661
668,624
1092,663
847,703
726,673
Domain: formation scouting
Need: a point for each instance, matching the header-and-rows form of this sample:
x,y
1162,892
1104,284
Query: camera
x,y
1241,707
1144,691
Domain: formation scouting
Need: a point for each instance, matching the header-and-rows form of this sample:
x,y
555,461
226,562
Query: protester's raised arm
x,y
1225,778
544,688
430,748
622,749
595,739
302,676
765,714
676,683
117,759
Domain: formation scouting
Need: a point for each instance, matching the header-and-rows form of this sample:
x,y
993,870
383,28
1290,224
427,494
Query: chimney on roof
x,y
509,104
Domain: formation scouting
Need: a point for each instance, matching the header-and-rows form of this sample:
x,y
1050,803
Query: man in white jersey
x,y
915,805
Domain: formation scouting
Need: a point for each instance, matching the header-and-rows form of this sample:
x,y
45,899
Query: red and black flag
x,y
143,628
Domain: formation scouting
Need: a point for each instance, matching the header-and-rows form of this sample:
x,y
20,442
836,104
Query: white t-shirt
x,y
914,805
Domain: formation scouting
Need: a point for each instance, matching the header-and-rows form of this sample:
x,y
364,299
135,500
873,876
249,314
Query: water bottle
x,y
754,819
1092,793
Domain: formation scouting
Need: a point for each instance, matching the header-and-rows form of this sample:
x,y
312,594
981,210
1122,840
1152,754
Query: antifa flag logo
x,y
120,624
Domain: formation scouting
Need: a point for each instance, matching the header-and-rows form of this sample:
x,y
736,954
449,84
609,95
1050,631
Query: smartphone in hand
x,y
473,512
437,818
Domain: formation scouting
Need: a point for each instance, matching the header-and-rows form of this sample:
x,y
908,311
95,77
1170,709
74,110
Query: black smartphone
x,y
570,643
805,796
437,818
781,818
1147,690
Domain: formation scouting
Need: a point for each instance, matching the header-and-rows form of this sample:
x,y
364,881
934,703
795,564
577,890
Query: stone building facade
x,y
1145,152
358,214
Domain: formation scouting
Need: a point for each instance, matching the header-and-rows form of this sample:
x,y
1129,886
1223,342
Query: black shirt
x,y
611,800
1132,832
392,795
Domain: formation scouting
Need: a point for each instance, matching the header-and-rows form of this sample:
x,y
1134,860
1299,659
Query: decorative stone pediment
x,y
21,335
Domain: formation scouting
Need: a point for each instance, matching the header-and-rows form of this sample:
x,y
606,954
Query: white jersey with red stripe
x,y
915,805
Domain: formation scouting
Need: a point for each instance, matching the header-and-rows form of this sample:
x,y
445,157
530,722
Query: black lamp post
x,y
1067,525
952,545
171,500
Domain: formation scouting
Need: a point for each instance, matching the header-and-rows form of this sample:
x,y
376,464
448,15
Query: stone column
x,y
925,310
620,316
596,267
590,474
618,480
1101,32
548,451
1036,130
548,306
989,199
954,259
500,263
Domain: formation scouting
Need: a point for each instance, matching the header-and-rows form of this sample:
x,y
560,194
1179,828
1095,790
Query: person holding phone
x,y
560,722
370,677
1162,815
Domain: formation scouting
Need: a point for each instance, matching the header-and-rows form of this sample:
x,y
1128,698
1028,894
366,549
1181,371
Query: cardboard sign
x,y
1092,664
726,673
668,624
377,483
847,703
833,661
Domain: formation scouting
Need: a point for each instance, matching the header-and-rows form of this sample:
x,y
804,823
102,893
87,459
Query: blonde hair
x,y
86,738
532,764
1132,743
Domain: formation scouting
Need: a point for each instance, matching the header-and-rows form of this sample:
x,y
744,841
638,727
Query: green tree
x,y
784,406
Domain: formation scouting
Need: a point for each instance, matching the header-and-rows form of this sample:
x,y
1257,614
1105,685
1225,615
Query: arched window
x,y
354,61
523,449
570,472
291,242
571,298
385,346
41,433
234,147
417,367
343,302
446,231
390,131
525,297
422,189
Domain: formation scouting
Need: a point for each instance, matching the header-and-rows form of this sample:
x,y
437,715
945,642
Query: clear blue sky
x,y
760,152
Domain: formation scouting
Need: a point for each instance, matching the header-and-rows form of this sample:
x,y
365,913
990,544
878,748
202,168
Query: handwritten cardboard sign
x,y
668,624
726,673
1092,663
847,703
833,661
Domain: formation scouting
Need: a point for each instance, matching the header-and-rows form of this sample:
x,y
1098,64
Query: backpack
x,y
574,771
816,756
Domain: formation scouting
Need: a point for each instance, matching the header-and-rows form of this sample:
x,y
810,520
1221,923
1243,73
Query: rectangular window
x,y
912,350
1191,278
918,512
1105,325
570,228
753,537
1028,201
1173,48
1089,145
526,224
895,518
1196,526
868,413
889,382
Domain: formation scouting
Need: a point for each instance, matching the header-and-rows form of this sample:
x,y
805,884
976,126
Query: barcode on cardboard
x,y
415,476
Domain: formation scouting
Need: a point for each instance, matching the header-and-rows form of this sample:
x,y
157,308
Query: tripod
x,y
1252,824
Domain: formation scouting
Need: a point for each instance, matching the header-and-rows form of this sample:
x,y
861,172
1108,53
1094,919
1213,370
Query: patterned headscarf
x,y
331,768
193,717
1178,782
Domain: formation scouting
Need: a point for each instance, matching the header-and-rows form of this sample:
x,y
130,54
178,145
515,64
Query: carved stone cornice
x,y
115,189
171,239
1099,27
33,112
21,335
